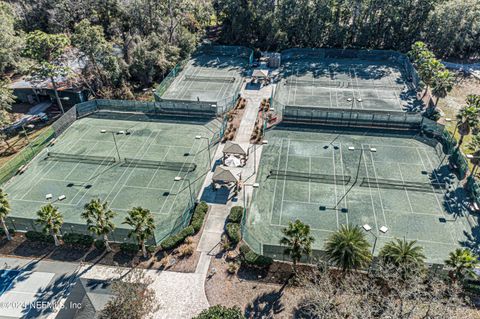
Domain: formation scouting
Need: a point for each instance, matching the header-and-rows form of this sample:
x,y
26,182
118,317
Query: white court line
x,y
284,183
444,213
276,179
370,189
406,192
416,213
335,186
378,190
75,167
131,171
183,179
156,170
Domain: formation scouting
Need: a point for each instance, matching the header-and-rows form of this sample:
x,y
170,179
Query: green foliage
x,y
129,248
233,232
39,237
462,263
4,205
251,258
11,231
174,241
220,312
298,241
10,39
403,253
199,216
99,219
348,248
51,219
78,239
99,244
442,84
6,100
142,223
236,214
44,47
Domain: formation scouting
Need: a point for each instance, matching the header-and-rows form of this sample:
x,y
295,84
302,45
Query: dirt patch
x,y
456,98
20,247
259,293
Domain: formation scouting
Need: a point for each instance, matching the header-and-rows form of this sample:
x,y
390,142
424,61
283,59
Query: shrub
x,y
78,239
10,230
129,248
232,268
176,240
151,249
39,237
185,250
253,259
236,214
99,244
219,311
199,216
233,233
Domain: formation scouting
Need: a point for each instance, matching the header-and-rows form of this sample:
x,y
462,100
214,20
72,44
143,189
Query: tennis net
x,y
342,84
432,187
90,159
307,177
210,78
173,166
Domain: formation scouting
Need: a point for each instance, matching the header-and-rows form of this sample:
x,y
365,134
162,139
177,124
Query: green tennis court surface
x,y
209,78
84,163
346,84
327,179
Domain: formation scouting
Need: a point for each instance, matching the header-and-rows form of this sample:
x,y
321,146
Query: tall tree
x,y
47,49
403,253
10,39
4,211
348,248
142,223
52,220
468,119
6,100
462,263
298,241
99,220
442,84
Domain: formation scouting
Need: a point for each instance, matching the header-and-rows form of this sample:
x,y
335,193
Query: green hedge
x,y
253,259
39,237
199,216
220,312
129,248
176,240
233,233
99,244
236,215
78,239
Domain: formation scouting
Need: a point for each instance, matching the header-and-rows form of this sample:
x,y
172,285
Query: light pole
x,y
368,228
30,126
179,178
198,137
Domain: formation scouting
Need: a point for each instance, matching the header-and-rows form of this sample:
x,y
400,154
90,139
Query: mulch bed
x,y
20,247
260,293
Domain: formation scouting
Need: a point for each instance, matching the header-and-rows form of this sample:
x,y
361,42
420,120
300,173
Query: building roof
x,y
233,148
223,175
259,73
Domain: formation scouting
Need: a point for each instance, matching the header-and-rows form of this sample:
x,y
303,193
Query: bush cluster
x,y
219,311
176,240
78,239
199,216
10,230
129,248
236,215
233,233
253,259
39,237
99,244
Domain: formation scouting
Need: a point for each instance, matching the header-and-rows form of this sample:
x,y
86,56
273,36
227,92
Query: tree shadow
x,y
266,305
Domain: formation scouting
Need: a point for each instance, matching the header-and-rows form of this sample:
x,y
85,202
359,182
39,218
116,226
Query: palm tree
x,y
99,220
428,68
463,263
52,221
442,84
4,210
348,248
403,253
298,240
141,220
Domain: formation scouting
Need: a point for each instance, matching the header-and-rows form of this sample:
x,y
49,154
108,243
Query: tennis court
x,y
346,84
209,78
328,178
126,162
